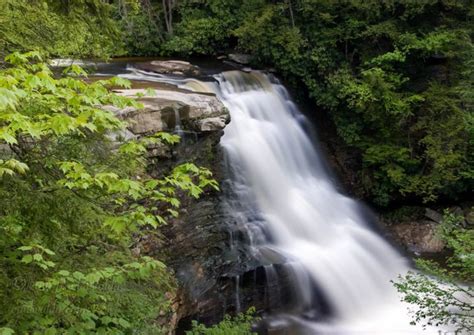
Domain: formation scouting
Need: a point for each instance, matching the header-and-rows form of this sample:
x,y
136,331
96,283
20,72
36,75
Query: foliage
x,y
83,28
73,203
447,298
372,65
141,26
238,325
203,27
394,76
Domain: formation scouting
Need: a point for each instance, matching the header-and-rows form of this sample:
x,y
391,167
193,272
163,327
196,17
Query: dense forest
x,y
394,77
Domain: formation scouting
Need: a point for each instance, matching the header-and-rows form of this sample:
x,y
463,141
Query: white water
x,y
321,233
277,169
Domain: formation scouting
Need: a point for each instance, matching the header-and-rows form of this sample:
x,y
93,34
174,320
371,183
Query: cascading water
x,y
294,219
320,233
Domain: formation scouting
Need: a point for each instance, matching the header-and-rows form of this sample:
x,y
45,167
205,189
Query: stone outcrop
x,y
166,109
197,246
433,215
173,67
192,245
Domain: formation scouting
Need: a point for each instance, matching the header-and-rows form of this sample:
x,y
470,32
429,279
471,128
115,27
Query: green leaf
x,y
25,248
75,70
51,331
168,138
64,273
8,99
124,323
27,259
7,136
122,82
6,331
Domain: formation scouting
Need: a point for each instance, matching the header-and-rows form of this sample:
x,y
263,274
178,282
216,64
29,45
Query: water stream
x,y
320,234
294,218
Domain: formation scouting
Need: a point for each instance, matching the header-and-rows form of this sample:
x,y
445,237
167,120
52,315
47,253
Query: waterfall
x,y
295,221
320,233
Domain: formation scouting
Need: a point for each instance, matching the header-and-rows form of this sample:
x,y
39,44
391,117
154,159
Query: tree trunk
x,y
168,6
290,6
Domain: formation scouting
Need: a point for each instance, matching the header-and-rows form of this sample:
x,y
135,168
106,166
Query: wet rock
x,y
169,319
176,67
278,327
122,135
192,244
213,123
243,59
209,267
271,256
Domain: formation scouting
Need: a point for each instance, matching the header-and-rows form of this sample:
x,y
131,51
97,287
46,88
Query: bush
x,y
239,325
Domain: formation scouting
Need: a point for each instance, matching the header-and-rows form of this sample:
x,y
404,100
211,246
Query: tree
x,y
168,7
389,75
446,298
84,28
73,202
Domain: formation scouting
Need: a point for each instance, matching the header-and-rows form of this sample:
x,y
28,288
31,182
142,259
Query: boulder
x,y
433,215
176,67
243,59
418,237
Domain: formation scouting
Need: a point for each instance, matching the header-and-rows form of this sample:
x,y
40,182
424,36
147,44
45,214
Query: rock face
x,y
433,215
216,276
193,244
167,109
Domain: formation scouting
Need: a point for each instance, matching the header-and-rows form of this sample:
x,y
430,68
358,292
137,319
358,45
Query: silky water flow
x,y
286,202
